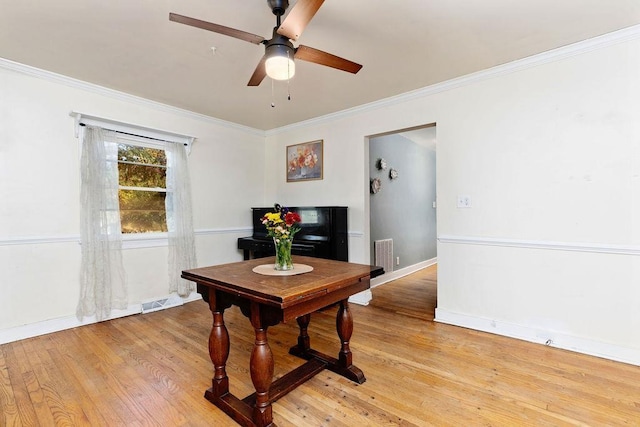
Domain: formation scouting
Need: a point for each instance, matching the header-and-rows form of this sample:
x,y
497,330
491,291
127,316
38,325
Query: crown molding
x,y
564,52
121,96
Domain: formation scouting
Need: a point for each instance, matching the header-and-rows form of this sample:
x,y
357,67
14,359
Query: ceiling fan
x,y
277,61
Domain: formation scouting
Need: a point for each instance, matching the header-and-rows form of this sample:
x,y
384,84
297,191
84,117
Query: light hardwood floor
x,y
153,369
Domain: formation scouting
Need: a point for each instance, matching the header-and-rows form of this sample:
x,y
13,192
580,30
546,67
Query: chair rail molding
x,y
604,248
130,241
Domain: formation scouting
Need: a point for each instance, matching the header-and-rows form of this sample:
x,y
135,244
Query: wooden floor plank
x,y
153,369
39,385
9,414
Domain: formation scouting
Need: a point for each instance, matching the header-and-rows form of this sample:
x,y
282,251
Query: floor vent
x,y
383,252
160,304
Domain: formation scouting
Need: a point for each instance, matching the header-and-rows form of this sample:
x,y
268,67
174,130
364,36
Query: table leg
x,y
261,366
303,346
343,365
218,352
344,326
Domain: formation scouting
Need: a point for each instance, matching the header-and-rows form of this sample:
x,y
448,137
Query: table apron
x,y
309,306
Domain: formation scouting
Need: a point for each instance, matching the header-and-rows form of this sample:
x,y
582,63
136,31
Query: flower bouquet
x,y
282,226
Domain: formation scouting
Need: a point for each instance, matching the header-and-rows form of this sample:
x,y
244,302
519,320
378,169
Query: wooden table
x,y
267,301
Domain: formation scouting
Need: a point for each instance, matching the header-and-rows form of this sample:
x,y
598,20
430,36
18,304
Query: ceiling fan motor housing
x,y
279,40
278,7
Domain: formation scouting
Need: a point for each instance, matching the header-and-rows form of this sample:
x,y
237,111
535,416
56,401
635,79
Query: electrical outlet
x,y
464,201
397,260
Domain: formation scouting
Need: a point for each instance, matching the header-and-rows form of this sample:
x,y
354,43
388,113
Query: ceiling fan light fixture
x,y
279,64
278,60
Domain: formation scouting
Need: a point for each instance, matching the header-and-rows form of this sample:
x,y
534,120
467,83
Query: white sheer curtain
x,y
102,276
182,250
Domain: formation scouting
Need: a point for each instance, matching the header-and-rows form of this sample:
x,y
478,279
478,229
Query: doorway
x,y
402,201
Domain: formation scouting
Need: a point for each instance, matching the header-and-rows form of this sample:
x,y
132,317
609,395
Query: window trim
x,y
126,162
151,189
144,240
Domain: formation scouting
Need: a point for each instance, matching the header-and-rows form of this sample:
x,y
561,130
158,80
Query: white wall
x,y
548,149
39,194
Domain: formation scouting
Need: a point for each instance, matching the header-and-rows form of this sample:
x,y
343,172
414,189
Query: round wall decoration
x,y
393,174
375,185
381,164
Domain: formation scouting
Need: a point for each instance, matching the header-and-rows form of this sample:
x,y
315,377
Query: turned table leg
x,y
218,352
261,366
344,326
343,365
303,346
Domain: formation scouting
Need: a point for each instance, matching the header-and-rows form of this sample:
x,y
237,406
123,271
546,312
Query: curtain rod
x,y
132,134
82,119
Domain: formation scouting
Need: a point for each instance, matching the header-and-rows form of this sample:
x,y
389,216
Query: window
x,y
127,169
142,177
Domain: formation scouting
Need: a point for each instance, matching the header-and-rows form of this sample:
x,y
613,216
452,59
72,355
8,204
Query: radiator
x,y
383,252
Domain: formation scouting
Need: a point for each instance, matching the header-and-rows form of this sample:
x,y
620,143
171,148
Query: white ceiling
x,y
131,46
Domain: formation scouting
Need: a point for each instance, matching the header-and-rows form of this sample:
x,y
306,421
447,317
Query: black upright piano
x,y
323,234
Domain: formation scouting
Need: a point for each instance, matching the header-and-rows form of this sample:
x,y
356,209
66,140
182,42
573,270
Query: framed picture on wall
x,y
304,161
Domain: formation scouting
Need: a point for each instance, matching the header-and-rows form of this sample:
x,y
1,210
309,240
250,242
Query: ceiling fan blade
x,y
297,20
221,29
259,73
306,53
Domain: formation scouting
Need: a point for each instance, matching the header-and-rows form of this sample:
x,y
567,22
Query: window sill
x,y
144,240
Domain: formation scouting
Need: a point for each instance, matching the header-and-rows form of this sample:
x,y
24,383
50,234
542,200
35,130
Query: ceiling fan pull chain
x,y
288,78
273,104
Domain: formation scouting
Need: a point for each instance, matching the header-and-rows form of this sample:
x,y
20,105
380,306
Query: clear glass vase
x,y
283,253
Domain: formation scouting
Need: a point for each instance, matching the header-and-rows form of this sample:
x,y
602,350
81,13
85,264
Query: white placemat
x,y
269,270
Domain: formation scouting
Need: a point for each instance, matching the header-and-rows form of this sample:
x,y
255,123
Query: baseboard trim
x,y
541,336
393,275
361,298
68,322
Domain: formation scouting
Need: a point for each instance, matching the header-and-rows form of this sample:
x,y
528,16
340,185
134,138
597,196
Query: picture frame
x,y
304,162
